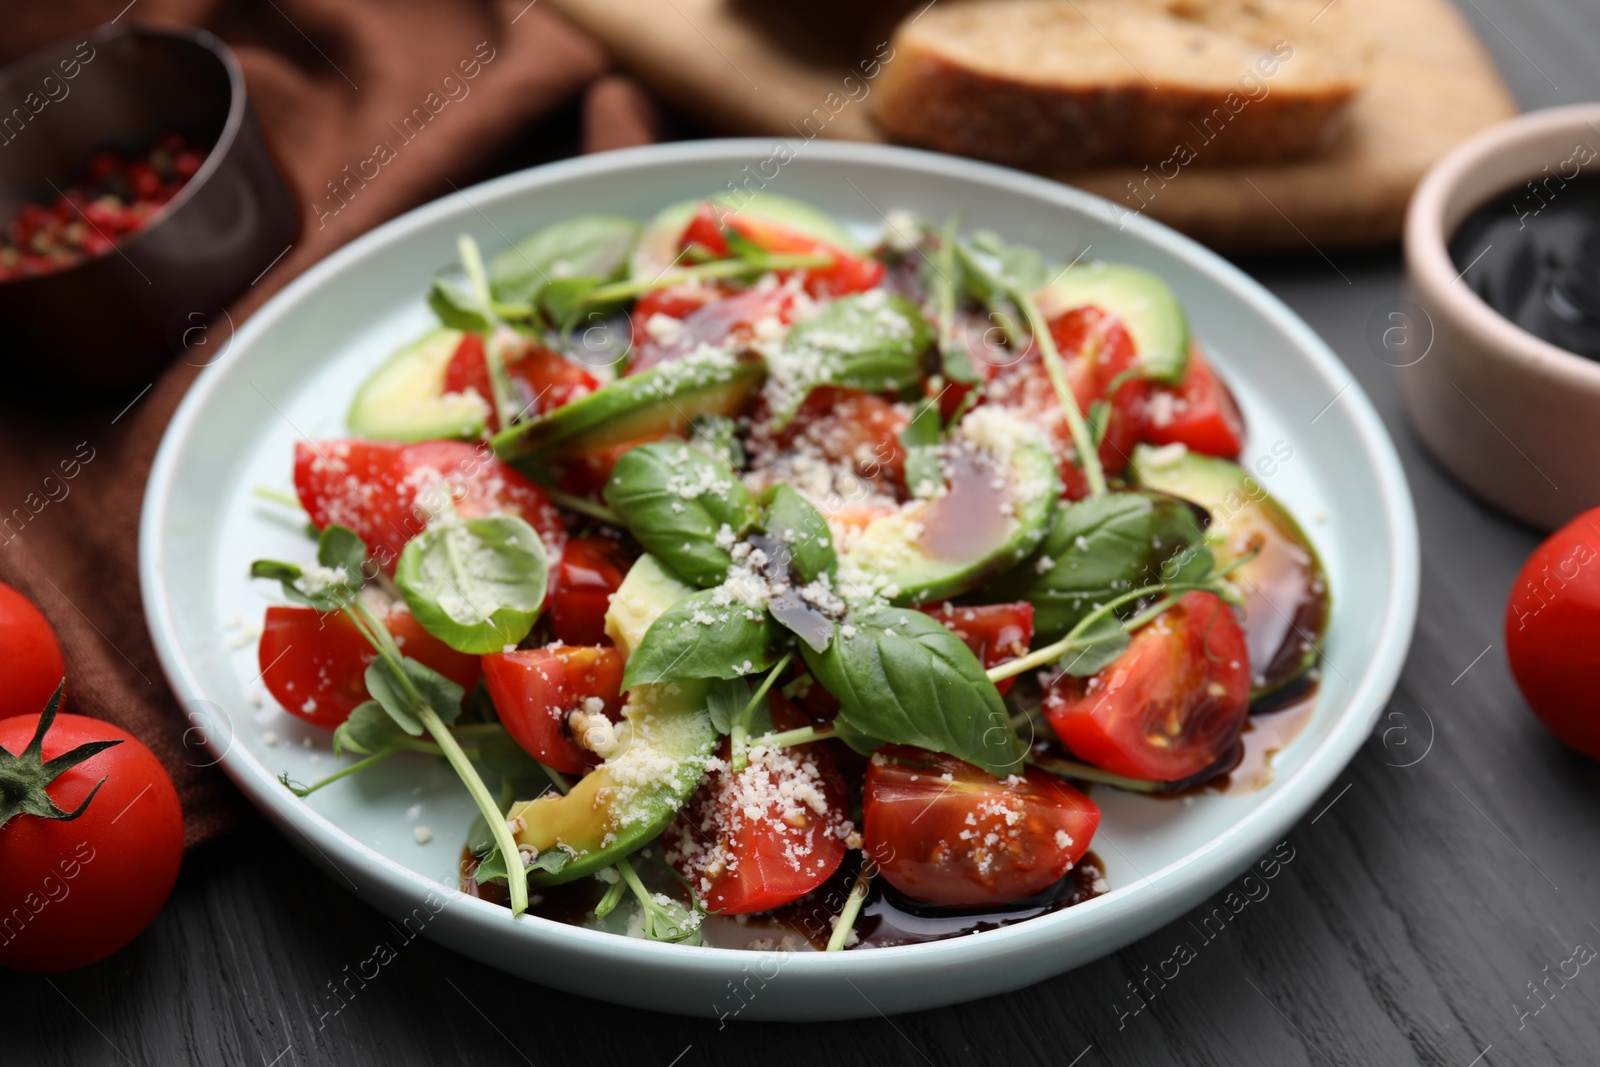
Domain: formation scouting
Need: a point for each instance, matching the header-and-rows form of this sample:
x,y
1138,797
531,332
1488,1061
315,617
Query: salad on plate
x,y
764,588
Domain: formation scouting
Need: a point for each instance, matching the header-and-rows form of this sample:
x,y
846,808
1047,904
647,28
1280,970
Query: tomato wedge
x,y
945,832
535,691
995,632
591,570
1097,351
541,380
848,273
1170,706
764,837
379,489
1200,413
843,426
314,664
676,301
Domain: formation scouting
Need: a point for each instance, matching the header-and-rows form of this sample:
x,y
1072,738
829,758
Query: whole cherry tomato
x,y
30,658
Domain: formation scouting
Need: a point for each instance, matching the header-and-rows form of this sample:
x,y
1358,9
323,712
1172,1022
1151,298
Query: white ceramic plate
x,y
290,372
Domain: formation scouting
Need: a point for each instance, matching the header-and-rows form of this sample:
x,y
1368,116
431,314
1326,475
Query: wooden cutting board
x,y
782,70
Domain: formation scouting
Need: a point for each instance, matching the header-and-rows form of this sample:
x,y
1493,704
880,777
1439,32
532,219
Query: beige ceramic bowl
x,y
1515,418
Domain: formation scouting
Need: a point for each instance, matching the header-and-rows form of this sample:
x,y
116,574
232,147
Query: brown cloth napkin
x,y
325,77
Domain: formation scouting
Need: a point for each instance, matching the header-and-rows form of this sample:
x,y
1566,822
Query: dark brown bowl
x,y
113,321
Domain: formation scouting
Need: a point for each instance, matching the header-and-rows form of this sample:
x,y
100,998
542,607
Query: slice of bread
x,y
1070,83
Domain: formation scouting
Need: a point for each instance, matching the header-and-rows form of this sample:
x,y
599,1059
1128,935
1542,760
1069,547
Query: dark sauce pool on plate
x,y
1533,254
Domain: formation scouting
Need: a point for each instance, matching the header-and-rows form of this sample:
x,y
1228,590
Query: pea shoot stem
x,y
846,922
1075,639
802,736
496,342
1082,440
721,268
739,735
1065,768
582,505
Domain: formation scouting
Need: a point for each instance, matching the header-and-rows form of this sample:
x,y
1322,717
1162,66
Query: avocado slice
x,y
404,399
1147,306
664,741
661,400
1001,488
1286,600
657,249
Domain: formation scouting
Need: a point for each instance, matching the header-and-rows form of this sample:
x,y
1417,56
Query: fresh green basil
x,y
802,532
492,868
1018,267
718,437
393,693
1101,547
589,246
675,500
905,678
865,341
475,584
708,634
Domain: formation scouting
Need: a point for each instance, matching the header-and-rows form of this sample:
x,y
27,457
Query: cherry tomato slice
x,y
1170,706
1553,633
30,658
377,489
675,301
846,274
705,230
1097,351
716,322
535,690
541,380
764,837
843,426
945,832
314,664
995,632
1200,413
592,568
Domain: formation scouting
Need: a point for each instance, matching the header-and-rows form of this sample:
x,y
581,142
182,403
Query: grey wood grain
x,y
1425,893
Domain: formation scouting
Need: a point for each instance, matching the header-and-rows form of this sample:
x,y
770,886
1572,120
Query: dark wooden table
x,y
1422,902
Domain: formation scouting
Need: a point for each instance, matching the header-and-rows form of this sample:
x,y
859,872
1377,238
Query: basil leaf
x,y
801,533
1099,548
456,307
866,341
1106,639
367,731
475,584
480,840
588,246
492,868
708,634
328,591
1020,268
562,300
386,687
903,677
675,500
725,701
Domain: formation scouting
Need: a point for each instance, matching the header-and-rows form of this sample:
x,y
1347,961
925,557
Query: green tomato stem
x,y
846,921
1082,441
739,735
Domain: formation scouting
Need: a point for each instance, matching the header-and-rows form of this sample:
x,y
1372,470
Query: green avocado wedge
x,y
1147,306
658,402
1001,488
663,742
657,249
404,399
1286,599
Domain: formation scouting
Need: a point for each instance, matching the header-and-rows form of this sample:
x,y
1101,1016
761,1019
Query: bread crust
x,y
927,99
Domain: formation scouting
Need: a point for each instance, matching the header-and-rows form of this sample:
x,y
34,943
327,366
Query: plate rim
x,y
1218,858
